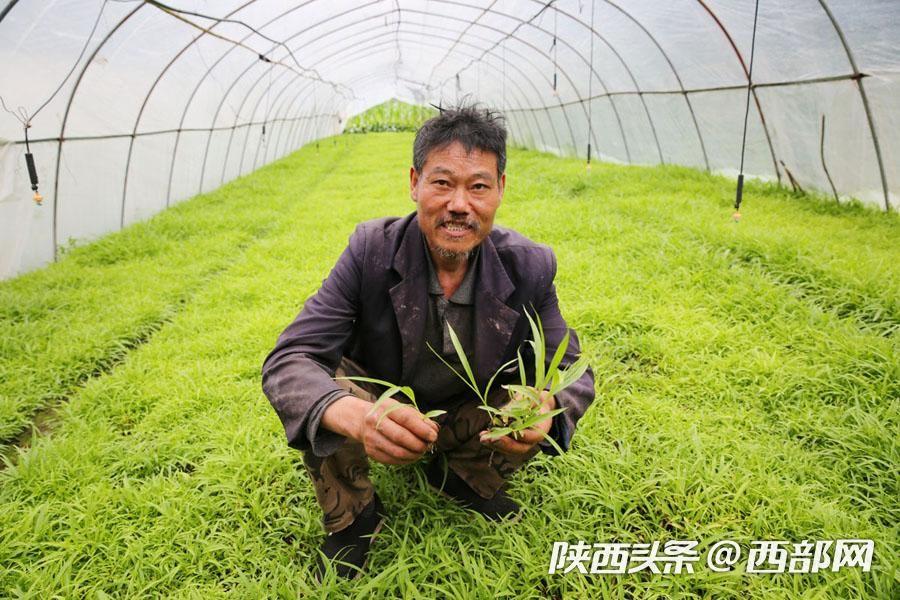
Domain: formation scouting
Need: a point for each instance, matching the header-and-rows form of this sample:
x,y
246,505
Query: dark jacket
x,y
372,307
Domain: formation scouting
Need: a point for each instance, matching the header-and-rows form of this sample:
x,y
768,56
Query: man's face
x,y
456,196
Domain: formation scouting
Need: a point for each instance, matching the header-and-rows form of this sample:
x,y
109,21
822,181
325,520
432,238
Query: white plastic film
x,y
173,99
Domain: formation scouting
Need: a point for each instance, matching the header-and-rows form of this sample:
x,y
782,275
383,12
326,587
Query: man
x,y
398,287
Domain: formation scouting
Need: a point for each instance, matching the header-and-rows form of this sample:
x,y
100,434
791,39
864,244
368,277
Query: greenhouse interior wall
x,y
158,102
179,180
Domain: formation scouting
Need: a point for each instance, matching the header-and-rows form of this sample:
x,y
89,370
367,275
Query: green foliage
x,y
748,380
388,394
392,115
469,377
548,376
524,409
79,318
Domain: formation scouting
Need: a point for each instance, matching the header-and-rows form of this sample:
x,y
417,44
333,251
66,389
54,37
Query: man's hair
x,y
472,126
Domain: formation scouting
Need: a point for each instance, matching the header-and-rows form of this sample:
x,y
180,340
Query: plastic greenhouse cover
x,y
168,99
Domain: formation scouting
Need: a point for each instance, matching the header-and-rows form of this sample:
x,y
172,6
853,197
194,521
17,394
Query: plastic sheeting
x,y
170,99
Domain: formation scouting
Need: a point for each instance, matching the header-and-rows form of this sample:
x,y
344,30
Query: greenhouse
x,y
715,183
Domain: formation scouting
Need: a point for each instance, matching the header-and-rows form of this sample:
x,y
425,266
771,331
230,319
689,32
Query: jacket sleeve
x,y
577,397
297,373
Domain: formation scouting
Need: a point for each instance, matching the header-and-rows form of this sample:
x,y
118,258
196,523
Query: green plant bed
x,y
747,378
392,115
65,324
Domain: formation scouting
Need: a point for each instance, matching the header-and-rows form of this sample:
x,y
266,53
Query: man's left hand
x,y
528,437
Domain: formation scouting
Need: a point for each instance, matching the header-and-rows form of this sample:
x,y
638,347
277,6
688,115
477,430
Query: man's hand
x,y
401,438
527,438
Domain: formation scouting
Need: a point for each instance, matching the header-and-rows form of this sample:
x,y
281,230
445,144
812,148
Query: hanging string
x,y
590,92
555,50
503,86
180,14
268,97
22,115
315,117
739,194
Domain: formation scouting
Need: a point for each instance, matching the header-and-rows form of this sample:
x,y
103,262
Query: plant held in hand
x,y
525,408
388,393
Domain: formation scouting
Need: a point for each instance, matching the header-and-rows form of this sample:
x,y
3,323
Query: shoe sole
x,y
514,519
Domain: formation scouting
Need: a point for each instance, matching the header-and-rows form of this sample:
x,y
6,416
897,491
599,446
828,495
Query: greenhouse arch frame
x,y
140,125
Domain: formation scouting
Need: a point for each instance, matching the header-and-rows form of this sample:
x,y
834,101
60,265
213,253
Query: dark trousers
x,y
341,480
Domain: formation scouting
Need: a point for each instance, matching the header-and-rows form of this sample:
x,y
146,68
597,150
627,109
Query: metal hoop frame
x,y
281,108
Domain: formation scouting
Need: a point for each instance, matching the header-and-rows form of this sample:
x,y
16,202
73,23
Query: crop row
x,y
729,407
62,325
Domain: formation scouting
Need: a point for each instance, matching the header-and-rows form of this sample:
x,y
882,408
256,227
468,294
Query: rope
x,y
555,49
739,194
503,89
591,91
22,115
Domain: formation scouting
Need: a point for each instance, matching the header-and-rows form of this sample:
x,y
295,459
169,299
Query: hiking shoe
x,y
452,486
348,549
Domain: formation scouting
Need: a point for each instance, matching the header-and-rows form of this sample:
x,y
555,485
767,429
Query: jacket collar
x,y
494,319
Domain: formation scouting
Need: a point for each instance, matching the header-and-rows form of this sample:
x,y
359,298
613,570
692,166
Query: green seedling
x,y
523,411
388,393
751,375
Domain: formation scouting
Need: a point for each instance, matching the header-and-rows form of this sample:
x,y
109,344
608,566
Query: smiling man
x,y
398,287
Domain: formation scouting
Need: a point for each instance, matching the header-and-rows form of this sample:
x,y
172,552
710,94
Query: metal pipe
x,y
858,77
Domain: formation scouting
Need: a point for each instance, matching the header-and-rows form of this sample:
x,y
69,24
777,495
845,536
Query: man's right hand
x,y
401,438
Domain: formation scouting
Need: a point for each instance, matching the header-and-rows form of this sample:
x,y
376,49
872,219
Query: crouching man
x,y
394,291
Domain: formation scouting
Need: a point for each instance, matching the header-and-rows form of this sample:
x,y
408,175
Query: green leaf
x,y
391,389
386,412
487,390
470,385
368,380
515,413
409,393
554,381
553,443
572,374
464,361
383,398
523,378
386,394
540,325
525,390
496,434
541,417
540,348
434,413
558,355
